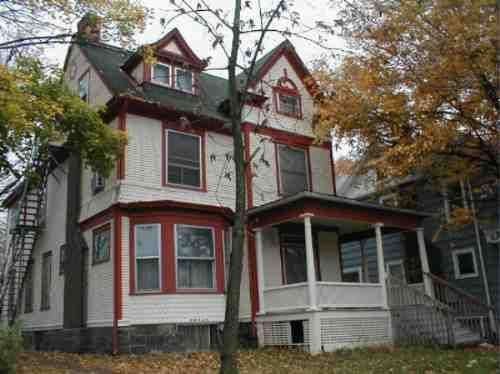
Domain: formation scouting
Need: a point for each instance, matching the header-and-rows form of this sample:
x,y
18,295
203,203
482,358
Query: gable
x,y
172,47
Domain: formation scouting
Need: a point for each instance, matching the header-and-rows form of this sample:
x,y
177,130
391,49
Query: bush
x,y
11,344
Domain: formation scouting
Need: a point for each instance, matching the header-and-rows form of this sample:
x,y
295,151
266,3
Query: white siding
x,y
265,181
329,257
99,285
174,308
50,239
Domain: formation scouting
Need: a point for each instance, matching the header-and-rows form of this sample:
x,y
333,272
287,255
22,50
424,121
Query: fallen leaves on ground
x,y
380,360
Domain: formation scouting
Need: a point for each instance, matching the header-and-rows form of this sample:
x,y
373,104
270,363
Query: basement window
x,y
464,263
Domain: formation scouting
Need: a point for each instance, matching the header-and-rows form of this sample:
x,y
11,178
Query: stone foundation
x,y
138,339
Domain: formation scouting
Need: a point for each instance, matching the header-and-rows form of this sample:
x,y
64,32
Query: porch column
x,y
424,262
381,263
260,269
311,270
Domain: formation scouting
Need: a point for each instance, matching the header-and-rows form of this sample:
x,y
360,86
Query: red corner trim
x,y
118,291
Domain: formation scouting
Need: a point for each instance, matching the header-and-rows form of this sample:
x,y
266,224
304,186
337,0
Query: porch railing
x,y
290,296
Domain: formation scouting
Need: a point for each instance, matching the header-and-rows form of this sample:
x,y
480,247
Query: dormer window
x,y
161,74
184,80
288,105
287,97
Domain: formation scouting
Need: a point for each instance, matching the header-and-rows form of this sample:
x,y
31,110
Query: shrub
x,y
11,344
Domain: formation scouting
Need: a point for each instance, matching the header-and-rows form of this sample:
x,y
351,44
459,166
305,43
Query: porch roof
x,y
334,209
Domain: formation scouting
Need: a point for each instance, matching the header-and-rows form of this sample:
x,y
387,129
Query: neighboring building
x,y
157,231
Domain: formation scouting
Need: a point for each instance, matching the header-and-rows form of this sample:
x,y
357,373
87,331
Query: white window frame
x,y
394,196
455,254
200,145
388,264
280,169
159,82
192,80
354,269
213,259
159,257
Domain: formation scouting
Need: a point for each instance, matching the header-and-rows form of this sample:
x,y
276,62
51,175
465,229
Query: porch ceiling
x,y
347,215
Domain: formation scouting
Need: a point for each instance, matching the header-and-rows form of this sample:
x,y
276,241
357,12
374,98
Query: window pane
x,y
295,258
194,242
289,104
195,274
183,159
466,263
184,80
147,240
293,182
148,277
293,170
161,73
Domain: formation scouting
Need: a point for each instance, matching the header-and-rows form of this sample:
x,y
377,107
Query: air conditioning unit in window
x,y
98,183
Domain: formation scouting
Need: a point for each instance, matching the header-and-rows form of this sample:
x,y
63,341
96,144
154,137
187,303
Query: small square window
x,y
464,263
161,74
184,80
101,244
289,105
83,87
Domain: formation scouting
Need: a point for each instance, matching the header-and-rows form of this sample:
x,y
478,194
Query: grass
x,y
380,360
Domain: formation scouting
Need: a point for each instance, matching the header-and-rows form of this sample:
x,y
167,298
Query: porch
x,y
306,296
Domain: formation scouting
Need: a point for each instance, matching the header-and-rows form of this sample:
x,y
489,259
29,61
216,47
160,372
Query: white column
x,y
260,269
311,269
381,262
314,333
424,261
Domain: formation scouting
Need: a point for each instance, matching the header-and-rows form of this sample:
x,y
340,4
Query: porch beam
x,y
260,269
424,261
311,269
381,263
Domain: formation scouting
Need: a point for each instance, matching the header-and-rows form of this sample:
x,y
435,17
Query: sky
x,y
199,40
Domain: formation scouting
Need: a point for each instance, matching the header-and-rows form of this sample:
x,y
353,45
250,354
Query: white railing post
x,y
424,262
260,269
311,269
381,263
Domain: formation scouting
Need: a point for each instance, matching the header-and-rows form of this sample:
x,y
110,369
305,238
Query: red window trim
x,y
203,167
278,172
289,92
168,255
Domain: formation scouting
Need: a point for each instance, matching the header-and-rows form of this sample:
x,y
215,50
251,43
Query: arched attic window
x,y
287,100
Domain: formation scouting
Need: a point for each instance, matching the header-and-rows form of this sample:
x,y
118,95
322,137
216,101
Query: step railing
x,y
469,311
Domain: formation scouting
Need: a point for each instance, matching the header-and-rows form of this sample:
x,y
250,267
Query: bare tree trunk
x,y
231,322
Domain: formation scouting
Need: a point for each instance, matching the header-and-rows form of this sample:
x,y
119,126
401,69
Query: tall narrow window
x,y
46,280
183,159
83,86
101,244
161,74
147,257
195,257
28,289
184,80
293,170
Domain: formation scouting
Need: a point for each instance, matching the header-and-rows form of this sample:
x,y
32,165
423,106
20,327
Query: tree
x,y
247,29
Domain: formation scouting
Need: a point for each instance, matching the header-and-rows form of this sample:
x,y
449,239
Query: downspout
x,y
480,251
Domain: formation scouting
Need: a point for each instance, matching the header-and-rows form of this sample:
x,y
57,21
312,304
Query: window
x,y
184,80
161,74
293,256
183,159
396,269
98,183
83,87
293,170
352,275
464,263
101,244
195,257
62,258
147,257
288,104
28,289
46,280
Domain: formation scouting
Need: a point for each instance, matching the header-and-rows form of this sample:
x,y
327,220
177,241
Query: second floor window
x,y
148,257
184,80
183,159
46,280
294,174
161,74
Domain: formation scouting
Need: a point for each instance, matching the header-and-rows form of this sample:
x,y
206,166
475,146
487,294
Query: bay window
x,y
195,256
148,257
293,170
183,159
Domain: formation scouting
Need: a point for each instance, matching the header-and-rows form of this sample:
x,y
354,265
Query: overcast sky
x,y
200,41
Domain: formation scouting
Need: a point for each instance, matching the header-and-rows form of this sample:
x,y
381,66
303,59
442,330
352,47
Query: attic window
x,y
161,74
287,98
184,80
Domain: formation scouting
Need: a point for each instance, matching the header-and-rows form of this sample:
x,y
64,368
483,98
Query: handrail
x,y
459,291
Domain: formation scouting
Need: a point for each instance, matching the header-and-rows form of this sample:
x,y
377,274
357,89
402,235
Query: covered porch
x,y
306,296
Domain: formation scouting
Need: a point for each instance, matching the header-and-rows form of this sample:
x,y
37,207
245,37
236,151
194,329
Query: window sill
x,y
148,293
197,291
183,187
184,291
289,115
466,276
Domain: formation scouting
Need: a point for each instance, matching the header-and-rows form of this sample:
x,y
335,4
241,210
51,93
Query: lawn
x,y
381,360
